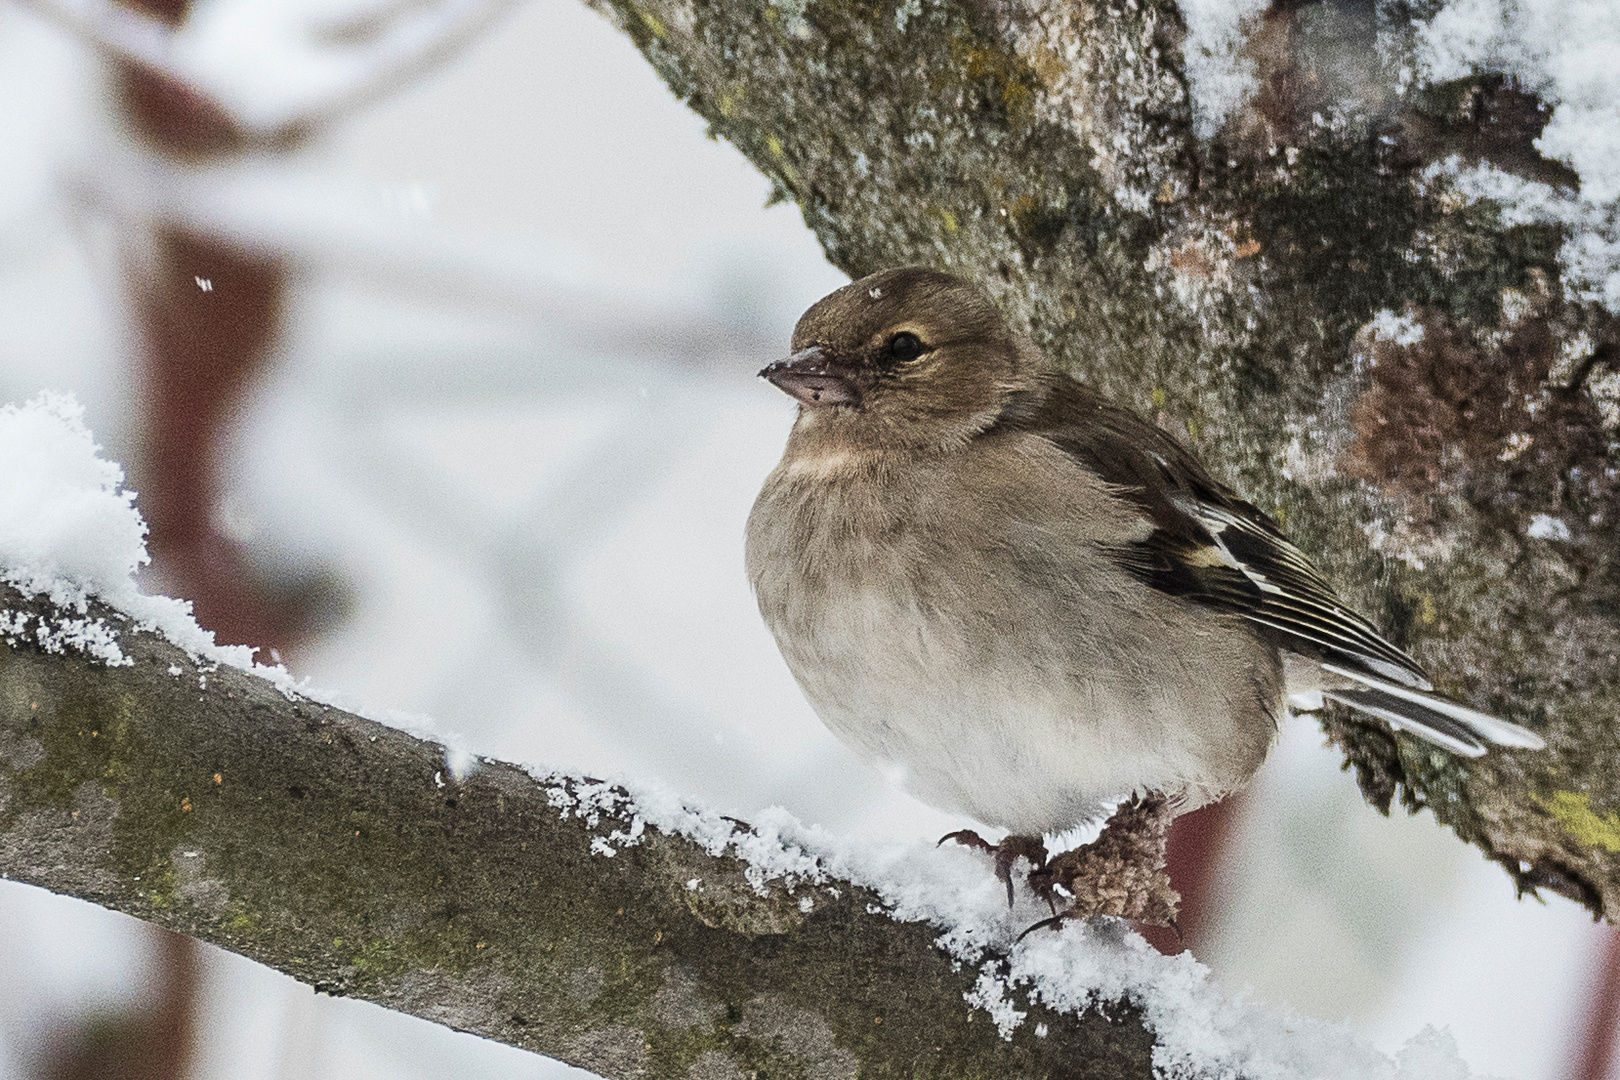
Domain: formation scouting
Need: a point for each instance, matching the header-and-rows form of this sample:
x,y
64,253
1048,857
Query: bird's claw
x,y
1007,853
1045,924
1120,873
967,838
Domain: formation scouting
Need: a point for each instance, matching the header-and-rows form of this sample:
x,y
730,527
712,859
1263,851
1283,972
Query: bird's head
x,y
907,356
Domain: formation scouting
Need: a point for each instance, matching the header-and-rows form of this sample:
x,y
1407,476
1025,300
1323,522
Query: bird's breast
x,y
973,637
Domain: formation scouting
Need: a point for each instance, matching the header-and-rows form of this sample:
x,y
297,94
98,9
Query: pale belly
x,y
1034,736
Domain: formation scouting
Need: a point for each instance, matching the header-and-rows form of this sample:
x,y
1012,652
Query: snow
x,y
1591,251
1219,78
1399,329
417,445
66,525
1547,527
69,531
1578,74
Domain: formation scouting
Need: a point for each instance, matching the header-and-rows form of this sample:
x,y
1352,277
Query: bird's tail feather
x,y
1445,723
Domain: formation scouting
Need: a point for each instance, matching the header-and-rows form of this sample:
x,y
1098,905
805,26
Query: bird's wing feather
x,y
1206,544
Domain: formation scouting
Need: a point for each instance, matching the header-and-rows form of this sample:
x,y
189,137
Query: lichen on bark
x,y
1459,483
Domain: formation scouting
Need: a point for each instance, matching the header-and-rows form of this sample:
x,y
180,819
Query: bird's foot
x,y
1008,852
1122,872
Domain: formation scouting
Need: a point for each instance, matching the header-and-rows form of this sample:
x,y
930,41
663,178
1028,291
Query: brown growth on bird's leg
x,y
1122,872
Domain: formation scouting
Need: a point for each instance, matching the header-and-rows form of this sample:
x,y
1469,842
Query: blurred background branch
x,y
363,55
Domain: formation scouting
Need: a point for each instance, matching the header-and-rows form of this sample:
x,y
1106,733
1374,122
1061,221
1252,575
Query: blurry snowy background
x,y
483,452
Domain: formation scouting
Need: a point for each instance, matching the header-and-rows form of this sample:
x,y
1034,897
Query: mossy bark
x,y
344,853
1460,484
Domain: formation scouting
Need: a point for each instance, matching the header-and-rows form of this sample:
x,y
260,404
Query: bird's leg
x,y
1122,872
1007,853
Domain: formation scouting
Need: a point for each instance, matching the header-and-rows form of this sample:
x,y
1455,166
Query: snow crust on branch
x,y
1219,77
1202,1029
1565,51
1568,53
69,530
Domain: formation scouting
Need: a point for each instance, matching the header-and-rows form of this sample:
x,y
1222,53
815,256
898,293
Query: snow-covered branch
x,y
623,933
145,769
541,912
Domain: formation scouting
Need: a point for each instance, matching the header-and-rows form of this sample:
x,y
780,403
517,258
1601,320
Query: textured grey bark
x,y
1226,286
343,853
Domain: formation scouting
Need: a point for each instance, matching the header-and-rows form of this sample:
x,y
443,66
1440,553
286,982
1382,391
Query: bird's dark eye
x,y
905,346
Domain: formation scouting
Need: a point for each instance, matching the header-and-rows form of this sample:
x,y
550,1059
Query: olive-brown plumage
x,y
1030,602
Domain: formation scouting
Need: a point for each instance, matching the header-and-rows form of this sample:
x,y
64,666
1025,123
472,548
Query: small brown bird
x,y
1034,604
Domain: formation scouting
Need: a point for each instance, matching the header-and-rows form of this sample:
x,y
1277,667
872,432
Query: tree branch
x,y
344,853
1312,296
381,51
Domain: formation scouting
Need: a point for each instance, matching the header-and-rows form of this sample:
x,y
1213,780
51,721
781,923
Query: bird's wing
x,y
1207,545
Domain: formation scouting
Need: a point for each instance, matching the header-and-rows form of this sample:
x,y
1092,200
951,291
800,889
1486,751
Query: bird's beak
x,y
806,375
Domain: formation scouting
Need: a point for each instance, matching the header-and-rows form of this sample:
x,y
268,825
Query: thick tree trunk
x,y
345,854
1452,463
